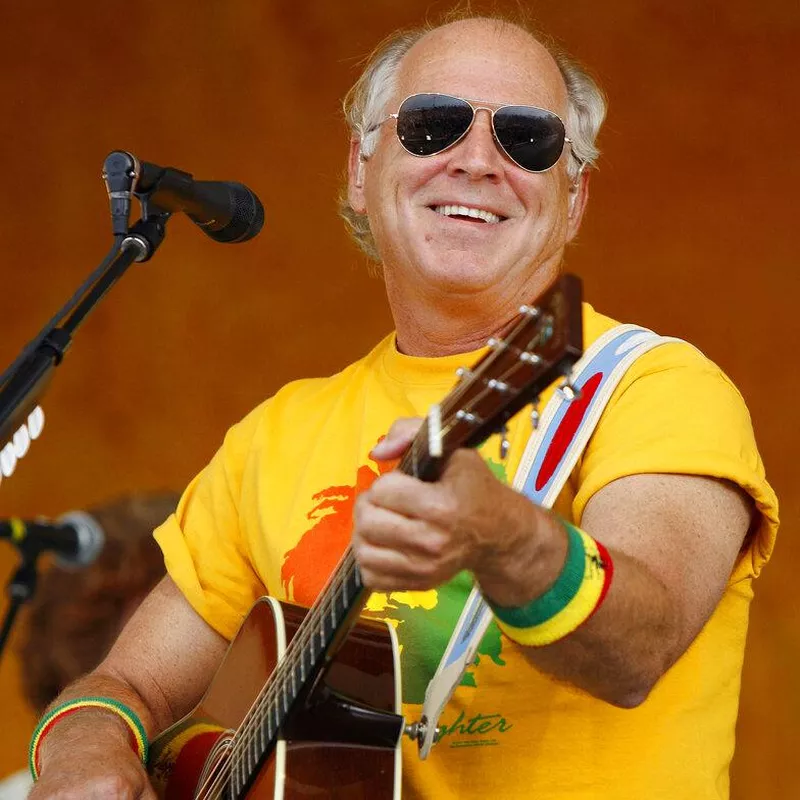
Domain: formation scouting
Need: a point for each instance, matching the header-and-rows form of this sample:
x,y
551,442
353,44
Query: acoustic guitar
x,y
306,703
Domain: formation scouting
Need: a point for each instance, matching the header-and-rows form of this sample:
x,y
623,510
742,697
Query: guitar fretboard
x,y
543,344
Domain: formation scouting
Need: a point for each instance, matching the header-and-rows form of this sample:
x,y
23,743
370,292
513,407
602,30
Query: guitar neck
x,y
544,342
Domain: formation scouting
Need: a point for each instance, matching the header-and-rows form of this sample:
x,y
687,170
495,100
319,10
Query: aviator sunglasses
x,y
427,124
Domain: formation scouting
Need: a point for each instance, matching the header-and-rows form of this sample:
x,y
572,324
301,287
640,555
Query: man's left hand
x,y
412,535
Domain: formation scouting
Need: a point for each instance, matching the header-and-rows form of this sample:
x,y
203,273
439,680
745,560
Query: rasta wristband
x,y
577,593
136,732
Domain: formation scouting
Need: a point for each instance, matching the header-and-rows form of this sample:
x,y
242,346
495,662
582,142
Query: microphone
x,y
76,538
227,212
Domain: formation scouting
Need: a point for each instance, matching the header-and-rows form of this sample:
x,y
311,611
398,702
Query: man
x,y
639,698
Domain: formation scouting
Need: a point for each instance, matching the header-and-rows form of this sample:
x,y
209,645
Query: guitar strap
x,y
567,423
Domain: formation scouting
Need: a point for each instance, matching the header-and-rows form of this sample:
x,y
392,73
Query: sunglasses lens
x,y
430,123
532,137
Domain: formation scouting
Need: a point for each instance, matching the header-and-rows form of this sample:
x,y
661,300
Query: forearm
x,y
622,649
158,668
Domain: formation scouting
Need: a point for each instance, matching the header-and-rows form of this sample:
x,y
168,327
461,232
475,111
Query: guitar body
x,y
306,704
342,741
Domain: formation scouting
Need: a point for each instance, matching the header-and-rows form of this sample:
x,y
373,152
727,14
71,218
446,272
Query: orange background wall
x,y
690,230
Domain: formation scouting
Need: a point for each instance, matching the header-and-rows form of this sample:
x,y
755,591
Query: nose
x,y
477,155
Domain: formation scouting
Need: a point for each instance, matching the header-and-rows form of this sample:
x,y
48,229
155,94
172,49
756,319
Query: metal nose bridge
x,y
475,109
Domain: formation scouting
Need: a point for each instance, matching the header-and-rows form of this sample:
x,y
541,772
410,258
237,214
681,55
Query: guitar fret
x,y
333,611
312,645
542,344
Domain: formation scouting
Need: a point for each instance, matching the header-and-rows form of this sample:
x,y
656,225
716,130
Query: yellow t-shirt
x,y
272,513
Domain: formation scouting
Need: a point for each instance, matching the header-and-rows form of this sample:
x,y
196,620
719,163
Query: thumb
x,y
397,440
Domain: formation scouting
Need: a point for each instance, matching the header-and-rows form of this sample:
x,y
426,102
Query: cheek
x,y
539,193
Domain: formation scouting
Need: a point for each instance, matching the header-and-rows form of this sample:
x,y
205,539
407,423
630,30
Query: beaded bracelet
x,y
577,593
137,734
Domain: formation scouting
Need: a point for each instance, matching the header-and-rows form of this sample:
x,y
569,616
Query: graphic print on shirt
x,y
424,620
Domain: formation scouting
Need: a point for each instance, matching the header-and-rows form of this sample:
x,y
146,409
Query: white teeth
x,y
463,211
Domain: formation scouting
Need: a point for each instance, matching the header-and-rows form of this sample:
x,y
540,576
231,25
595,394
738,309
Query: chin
x,y
461,277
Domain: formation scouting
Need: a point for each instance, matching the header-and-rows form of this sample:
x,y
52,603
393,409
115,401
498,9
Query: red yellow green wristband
x,y
137,734
578,592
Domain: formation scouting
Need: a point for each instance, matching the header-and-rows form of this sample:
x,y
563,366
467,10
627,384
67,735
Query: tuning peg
x,y
468,417
504,443
498,386
497,344
568,390
535,415
530,358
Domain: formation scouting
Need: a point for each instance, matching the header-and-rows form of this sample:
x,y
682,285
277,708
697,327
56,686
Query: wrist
x,y
527,566
99,717
575,595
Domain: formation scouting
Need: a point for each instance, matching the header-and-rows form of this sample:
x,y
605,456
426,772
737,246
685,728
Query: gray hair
x,y
365,106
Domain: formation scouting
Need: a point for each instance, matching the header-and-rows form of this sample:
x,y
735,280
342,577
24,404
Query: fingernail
x,y
380,449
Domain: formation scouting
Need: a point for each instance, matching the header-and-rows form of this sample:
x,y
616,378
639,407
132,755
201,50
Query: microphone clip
x,y
120,174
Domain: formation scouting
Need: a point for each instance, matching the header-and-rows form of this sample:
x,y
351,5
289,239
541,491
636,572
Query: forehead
x,y
483,60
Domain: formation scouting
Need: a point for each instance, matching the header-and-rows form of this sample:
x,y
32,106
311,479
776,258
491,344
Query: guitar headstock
x,y
543,344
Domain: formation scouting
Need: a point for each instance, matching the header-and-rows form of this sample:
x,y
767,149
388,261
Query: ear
x,y
355,178
578,197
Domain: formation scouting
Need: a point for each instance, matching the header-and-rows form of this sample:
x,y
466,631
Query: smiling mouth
x,y
478,215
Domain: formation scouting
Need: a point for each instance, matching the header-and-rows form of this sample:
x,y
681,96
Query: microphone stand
x,y
21,392
20,589
28,377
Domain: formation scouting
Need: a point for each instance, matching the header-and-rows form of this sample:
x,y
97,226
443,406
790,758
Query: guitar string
x,y
246,735
247,732
243,736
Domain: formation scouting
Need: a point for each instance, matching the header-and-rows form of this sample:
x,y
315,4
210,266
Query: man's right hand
x,y
159,668
107,770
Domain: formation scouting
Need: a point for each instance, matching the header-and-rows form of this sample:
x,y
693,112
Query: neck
x,y
439,322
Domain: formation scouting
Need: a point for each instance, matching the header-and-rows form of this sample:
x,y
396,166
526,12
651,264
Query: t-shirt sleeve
x,y
204,550
677,412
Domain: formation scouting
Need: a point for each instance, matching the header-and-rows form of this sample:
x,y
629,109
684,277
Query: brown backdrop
x,y
689,231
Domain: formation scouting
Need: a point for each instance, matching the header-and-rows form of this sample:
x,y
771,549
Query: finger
x,y
384,528
435,503
386,570
397,440
463,463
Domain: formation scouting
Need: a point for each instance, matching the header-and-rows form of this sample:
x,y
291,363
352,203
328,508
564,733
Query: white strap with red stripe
x,y
552,452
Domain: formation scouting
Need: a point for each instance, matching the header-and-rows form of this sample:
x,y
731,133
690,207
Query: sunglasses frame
x,y
476,106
